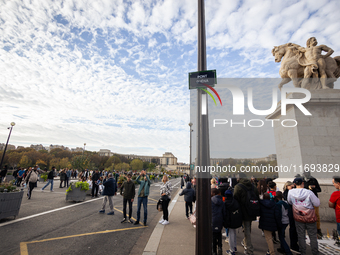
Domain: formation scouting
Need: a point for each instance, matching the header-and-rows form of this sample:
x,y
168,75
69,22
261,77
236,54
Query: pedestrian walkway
x,y
179,236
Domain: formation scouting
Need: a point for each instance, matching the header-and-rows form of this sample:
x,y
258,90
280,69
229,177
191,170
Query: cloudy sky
x,y
114,74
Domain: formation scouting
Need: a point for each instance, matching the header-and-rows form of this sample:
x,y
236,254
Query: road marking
x,y
51,211
23,245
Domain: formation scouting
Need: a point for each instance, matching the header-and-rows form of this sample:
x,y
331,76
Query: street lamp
x,y
190,125
3,155
84,148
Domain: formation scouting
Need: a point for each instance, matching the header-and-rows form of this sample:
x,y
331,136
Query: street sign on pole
x,y
197,79
192,167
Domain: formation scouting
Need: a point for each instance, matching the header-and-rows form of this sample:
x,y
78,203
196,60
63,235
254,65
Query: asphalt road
x,y
64,227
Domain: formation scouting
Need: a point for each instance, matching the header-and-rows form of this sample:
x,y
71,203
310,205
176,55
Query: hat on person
x,y
228,193
297,176
298,181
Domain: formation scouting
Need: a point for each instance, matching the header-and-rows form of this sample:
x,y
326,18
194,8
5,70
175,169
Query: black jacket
x,y
95,177
129,190
110,187
217,213
241,196
233,213
313,181
50,175
269,217
189,193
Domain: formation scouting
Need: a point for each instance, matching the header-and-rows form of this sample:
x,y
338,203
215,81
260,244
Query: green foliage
x,y
80,162
136,164
112,161
83,186
25,162
44,176
122,166
9,186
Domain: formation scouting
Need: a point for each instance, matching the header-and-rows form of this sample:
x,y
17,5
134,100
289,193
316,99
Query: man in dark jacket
x,y
189,196
269,219
217,213
129,194
240,194
3,173
95,182
50,178
110,189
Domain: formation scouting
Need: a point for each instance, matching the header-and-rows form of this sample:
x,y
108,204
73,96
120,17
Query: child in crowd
x,y
272,190
268,220
189,197
217,213
232,219
282,208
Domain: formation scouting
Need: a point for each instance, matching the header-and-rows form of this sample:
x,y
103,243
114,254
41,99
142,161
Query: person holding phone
x,y
143,193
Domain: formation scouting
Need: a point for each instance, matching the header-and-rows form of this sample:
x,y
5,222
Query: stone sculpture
x,y
307,67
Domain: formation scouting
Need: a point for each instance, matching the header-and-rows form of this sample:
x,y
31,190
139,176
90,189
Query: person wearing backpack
x,y
304,201
189,197
248,197
217,214
232,219
269,219
31,179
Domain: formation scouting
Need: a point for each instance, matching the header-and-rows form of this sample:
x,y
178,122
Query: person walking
x,y
182,182
143,193
110,190
62,178
303,202
3,174
189,197
128,191
31,179
20,176
50,178
165,191
68,177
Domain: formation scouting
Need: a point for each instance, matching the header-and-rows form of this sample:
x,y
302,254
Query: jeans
x,y
249,249
49,181
284,245
95,187
338,228
110,198
165,204
232,239
217,241
124,207
312,233
188,205
31,186
144,201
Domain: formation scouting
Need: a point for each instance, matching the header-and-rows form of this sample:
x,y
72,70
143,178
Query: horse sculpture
x,y
292,69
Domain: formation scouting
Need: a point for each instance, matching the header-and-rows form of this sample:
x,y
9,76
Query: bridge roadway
x,y
47,224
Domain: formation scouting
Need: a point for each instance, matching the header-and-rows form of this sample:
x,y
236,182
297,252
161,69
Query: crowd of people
x,y
238,202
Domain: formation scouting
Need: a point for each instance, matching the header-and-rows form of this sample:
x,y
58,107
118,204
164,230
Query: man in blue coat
x,y
110,190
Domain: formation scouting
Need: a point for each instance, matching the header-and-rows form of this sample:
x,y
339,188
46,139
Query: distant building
x,y
168,159
78,149
9,146
37,147
105,152
216,161
57,147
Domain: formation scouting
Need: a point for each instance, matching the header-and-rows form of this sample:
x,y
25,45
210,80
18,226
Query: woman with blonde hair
x,y
213,183
165,191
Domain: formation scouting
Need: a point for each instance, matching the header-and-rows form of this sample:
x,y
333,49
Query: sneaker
x,y
136,223
161,221
41,190
144,224
224,234
165,222
130,221
268,253
111,213
102,211
227,240
231,252
295,251
123,221
242,243
52,190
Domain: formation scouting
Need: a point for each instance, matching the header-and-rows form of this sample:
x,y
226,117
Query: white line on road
x,y
51,211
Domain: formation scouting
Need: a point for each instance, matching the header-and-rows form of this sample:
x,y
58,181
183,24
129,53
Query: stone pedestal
x,y
313,144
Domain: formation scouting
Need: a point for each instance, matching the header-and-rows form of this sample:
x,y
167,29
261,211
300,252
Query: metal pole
x,y
190,125
203,207
3,155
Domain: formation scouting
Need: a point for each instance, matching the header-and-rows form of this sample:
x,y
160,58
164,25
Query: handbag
x,y
192,218
159,205
303,214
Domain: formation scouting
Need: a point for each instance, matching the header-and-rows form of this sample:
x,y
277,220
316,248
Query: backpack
x,y
33,177
253,204
233,215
